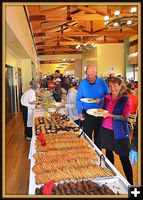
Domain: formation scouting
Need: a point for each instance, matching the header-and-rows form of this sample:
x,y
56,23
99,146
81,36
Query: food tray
x,y
107,163
114,183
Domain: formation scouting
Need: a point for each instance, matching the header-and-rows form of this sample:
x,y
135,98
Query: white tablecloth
x,y
33,186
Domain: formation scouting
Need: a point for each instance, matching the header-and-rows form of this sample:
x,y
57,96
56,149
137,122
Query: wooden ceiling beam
x,y
69,13
77,28
51,48
124,32
91,26
72,27
66,41
49,39
59,49
90,10
66,44
107,41
86,9
46,29
69,43
71,49
52,10
51,61
60,53
37,10
79,17
62,30
78,34
68,38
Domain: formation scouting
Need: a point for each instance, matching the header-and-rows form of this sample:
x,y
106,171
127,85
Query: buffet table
x,y
117,183
37,112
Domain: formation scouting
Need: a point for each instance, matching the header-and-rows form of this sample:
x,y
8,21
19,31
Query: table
x,y
118,181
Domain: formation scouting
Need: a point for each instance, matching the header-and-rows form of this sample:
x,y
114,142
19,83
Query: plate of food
x,y
88,100
97,112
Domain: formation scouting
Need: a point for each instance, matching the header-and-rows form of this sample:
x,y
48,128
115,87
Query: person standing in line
x,y
91,87
134,144
31,82
114,132
50,83
57,73
28,102
70,102
44,81
134,101
57,93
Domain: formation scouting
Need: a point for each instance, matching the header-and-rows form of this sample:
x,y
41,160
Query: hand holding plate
x,y
107,114
81,117
97,100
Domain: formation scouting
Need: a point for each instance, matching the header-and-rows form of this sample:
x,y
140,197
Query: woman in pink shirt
x,y
114,130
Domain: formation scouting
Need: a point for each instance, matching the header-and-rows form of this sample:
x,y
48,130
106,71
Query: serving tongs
x,y
102,160
81,134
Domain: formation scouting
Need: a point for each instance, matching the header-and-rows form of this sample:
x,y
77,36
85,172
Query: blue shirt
x,y
88,90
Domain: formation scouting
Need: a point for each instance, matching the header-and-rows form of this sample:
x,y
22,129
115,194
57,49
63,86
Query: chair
x,y
132,120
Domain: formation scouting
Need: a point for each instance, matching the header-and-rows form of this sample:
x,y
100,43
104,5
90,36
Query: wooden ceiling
x,y
59,29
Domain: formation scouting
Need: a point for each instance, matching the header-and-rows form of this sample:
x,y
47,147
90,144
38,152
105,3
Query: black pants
x,y
27,130
91,124
77,122
125,164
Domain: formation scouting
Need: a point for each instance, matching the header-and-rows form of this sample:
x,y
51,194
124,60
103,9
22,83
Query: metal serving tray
x,y
101,158
106,163
114,183
117,175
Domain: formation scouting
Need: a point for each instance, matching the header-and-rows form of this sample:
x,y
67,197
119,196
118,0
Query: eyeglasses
x,y
90,75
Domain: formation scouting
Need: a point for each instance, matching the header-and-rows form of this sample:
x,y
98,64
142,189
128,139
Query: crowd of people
x,y
48,81
111,131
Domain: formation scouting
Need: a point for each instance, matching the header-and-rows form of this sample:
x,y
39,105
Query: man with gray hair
x,y
28,102
91,87
31,82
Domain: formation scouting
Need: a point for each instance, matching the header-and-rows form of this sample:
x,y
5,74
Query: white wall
x,y
26,71
12,59
16,19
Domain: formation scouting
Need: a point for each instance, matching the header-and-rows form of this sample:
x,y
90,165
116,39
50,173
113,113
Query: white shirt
x,y
71,110
26,98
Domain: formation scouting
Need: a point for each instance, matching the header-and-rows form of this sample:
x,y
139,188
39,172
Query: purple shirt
x,y
107,122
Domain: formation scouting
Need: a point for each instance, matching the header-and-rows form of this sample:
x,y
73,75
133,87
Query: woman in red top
x,y
134,101
50,83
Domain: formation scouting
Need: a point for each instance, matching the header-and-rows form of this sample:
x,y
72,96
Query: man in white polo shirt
x,y
28,102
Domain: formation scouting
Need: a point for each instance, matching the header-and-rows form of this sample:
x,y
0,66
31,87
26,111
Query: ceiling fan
x,y
58,45
69,13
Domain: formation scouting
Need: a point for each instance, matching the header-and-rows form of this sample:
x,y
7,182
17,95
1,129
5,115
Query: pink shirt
x,y
107,122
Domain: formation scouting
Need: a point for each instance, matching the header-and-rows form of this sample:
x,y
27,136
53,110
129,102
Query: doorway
x,y
11,94
19,88
9,104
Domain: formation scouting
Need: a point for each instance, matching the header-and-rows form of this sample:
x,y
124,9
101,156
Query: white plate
x,y
88,100
95,112
51,109
57,103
